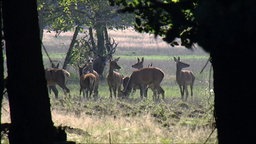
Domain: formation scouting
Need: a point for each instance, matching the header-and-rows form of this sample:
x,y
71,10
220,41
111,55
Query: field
x,y
134,120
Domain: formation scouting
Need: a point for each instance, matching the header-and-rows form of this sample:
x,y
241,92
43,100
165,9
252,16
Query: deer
x,y
139,65
88,68
57,76
149,76
87,84
100,60
114,78
184,78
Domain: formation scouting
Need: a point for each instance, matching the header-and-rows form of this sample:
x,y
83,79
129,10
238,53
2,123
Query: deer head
x,y
139,63
100,60
180,65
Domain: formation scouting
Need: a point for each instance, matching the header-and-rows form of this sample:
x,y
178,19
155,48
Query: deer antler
x,y
111,47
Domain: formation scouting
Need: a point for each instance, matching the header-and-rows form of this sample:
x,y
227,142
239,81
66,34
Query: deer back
x,y
56,75
87,81
145,76
185,77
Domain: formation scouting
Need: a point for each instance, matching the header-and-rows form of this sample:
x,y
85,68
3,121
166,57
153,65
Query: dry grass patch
x,y
115,129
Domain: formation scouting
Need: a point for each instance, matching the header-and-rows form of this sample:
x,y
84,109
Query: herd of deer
x,y
142,78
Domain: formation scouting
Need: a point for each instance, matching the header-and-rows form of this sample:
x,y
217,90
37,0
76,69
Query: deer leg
x,y
86,94
119,91
83,93
55,91
90,93
49,89
95,91
110,91
181,91
133,91
146,92
141,92
160,90
114,91
80,92
191,89
186,89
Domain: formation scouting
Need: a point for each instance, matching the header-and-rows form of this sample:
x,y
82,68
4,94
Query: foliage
x,y
169,19
65,14
209,23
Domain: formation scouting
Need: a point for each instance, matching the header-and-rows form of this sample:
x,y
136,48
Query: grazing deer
x,y
139,65
57,76
114,78
184,78
88,68
151,77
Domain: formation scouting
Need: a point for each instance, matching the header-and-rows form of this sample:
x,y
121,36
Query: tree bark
x,y
234,104
31,120
68,55
1,63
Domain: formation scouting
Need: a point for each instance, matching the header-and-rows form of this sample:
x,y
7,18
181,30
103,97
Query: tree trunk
x,y
31,120
69,56
234,104
1,64
92,38
100,39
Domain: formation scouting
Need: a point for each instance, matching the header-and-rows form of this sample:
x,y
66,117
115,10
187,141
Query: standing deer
x,y
139,65
87,84
151,77
114,78
100,60
88,68
184,78
57,76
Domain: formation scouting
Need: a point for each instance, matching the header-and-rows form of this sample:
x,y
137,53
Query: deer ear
x,y
117,59
178,58
142,59
138,59
175,59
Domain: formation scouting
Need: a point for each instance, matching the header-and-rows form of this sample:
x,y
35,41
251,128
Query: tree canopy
x,y
169,19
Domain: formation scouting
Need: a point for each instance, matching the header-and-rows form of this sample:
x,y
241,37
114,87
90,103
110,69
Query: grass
x,y
134,120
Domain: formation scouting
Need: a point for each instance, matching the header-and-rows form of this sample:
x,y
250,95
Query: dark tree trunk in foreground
x,y
228,33
31,120
234,95
1,62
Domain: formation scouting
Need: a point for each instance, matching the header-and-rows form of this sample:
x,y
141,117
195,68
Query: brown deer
x,y
139,65
151,77
100,59
57,76
87,84
184,78
88,68
114,78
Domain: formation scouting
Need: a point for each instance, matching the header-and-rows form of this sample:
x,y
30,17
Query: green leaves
x,y
169,19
